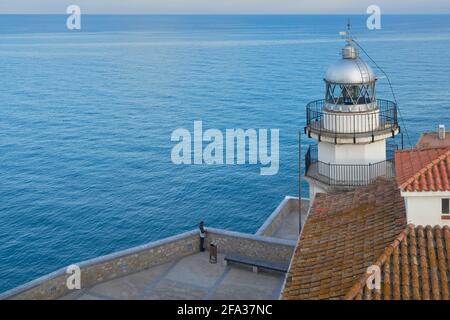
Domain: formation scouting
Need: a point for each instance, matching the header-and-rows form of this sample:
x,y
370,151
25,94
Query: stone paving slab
x,y
241,283
90,297
175,290
197,271
130,287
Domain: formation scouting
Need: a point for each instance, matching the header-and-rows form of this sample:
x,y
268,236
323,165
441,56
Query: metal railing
x,y
348,174
381,119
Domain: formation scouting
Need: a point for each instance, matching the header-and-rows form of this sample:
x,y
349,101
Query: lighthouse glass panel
x,y
350,108
350,94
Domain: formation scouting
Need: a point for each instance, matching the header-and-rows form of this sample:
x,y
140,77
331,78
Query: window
x,y
445,206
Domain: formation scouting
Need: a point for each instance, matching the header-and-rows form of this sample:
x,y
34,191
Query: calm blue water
x,y
86,118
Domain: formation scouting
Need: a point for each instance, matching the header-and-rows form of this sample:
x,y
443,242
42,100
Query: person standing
x,y
202,236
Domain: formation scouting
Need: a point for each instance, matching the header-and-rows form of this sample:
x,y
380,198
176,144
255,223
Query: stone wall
x,y
133,260
252,246
287,206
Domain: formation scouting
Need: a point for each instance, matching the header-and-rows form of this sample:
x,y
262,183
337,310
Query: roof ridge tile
x,y
425,179
419,268
359,285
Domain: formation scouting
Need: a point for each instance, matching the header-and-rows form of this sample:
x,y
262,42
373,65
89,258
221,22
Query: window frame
x,y
447,211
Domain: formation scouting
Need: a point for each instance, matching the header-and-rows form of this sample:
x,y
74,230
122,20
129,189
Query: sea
x,y
86,118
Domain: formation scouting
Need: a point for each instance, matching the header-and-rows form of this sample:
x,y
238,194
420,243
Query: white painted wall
x,y
313,190
424,208
352,153
350,122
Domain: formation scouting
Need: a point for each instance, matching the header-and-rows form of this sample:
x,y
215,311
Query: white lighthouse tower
x,y
351,127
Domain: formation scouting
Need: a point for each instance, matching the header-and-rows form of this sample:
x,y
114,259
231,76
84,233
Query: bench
x,y
257,263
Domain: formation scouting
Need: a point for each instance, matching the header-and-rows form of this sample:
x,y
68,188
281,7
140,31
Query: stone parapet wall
x,y
53,286
136,259
252,246
286,207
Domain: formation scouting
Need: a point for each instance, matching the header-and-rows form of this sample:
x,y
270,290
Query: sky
x,y
225,6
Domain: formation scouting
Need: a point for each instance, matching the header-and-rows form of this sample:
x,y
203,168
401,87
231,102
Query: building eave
x,y
425,193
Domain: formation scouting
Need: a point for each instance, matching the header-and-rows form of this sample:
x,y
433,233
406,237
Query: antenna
x,y
346,34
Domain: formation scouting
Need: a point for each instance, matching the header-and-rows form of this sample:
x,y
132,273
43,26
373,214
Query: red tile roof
x,y
347,232
423,170
429,140
344,233
414,266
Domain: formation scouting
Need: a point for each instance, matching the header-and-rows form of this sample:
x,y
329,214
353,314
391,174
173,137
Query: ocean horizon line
x,y
227,14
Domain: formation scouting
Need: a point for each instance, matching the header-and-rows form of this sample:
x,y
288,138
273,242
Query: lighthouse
x,y
351,127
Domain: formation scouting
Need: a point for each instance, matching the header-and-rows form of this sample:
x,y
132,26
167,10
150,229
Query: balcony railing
x,y
348,175
382,119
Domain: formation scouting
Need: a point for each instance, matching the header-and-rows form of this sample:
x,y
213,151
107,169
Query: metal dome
x,y
350,69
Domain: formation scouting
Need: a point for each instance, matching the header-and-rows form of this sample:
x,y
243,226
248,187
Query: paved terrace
x,y
184,273
191,277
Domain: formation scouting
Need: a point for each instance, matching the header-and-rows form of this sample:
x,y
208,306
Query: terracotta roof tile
x,y
430,140
344,233
423,170
414,266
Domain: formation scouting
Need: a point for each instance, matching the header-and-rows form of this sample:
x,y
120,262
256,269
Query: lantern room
x,y
350,83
